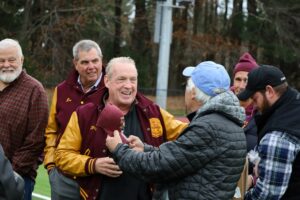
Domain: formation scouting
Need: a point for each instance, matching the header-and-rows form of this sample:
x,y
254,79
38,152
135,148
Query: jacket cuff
x,y
49,167
90,167
148,147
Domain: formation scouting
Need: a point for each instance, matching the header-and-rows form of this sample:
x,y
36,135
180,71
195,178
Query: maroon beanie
x,y
110,120
246,63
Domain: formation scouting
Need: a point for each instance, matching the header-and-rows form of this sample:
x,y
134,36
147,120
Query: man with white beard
x,y
23,114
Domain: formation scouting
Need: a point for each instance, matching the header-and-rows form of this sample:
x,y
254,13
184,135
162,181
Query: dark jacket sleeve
x,y
172,160
11,184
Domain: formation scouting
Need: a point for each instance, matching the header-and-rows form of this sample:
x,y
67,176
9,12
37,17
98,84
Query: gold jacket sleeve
x,y
51,134
173,126
67,155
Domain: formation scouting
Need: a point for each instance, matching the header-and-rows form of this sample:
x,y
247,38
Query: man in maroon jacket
x,y
82,153
76,90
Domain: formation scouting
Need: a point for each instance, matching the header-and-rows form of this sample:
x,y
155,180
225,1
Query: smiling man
x,y
82,153
206,160
76,90
23,114
11,62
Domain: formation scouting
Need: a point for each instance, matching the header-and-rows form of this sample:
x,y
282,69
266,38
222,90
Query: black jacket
x,y
11,184
283,116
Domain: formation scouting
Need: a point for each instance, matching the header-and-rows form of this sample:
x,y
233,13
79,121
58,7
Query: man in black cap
x,y
278,128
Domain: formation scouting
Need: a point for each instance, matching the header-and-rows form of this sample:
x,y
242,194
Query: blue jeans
x,y
29,186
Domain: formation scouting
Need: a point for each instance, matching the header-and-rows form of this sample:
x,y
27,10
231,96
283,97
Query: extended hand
x,y
135,143
108,167
112,142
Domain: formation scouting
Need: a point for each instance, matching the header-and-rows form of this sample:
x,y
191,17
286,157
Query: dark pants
x,y
62,187
29,186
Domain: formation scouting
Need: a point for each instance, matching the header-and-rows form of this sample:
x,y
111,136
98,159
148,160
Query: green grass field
x,y
42,185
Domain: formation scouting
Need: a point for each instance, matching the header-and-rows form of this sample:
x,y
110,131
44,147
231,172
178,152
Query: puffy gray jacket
x,y
205,162
11,184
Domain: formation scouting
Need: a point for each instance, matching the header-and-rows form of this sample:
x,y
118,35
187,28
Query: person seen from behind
x,y
206,160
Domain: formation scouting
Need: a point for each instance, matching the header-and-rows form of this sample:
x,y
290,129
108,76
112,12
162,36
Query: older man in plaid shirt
x,y
278,128
23,114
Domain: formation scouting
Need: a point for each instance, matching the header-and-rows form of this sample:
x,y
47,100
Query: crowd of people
x,y
103,139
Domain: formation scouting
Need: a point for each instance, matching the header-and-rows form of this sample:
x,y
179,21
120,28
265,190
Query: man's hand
x,y
108,167
135,143
112,142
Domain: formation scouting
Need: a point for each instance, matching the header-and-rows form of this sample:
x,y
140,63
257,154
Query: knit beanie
x,y
246,63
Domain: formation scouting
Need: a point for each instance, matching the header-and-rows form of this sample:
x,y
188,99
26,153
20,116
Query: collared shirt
x,y
277,151
93,86
23,118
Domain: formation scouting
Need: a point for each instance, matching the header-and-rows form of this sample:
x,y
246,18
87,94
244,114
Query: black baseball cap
x,y
259,78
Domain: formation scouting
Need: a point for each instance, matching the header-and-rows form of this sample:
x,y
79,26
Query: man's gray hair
x,y
86,45
113,61
200,95
5,43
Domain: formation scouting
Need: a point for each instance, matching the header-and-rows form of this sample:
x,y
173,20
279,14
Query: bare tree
x,y
237,24
197,16
118,27
142,44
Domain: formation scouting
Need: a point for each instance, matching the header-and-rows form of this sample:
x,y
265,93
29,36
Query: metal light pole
x,y
163,35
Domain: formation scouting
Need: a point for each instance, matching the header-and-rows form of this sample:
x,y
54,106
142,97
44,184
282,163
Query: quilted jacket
x,y
205,162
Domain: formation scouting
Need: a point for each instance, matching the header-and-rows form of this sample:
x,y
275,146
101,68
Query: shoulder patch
x,y
156,127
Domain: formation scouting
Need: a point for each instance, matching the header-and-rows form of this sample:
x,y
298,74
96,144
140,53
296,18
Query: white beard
x,y
8,76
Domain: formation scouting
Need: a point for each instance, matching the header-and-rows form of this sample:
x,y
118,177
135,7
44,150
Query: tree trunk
x,y
237,25
179,46
117,38
251,26
26,21
141,45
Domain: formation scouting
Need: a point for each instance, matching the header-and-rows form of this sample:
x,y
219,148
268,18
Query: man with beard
x,y
278,127
23,114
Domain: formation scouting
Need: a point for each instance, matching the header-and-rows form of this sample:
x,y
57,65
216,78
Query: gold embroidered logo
x,y
93,128
156,127
68,100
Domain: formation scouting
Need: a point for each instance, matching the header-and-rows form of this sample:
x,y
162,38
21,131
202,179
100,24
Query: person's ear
x,y
193,93
22,60
106,81
270,92
75,63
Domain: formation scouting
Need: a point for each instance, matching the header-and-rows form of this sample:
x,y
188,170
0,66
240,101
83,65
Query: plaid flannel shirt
x,y
23,118
277,151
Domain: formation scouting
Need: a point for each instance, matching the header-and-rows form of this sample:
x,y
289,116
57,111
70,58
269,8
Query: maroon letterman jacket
x,y
67,96
84,135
